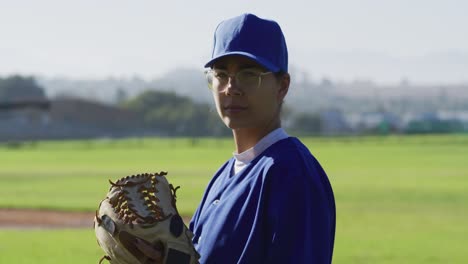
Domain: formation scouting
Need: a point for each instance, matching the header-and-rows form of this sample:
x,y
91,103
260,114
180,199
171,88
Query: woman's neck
x,y
245,138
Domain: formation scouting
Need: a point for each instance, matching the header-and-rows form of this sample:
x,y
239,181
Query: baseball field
x,y
400,199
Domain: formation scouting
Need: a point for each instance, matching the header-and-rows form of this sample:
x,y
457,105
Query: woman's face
x,y
248,105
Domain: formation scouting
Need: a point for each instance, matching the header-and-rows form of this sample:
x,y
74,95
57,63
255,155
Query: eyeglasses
x,y
247,79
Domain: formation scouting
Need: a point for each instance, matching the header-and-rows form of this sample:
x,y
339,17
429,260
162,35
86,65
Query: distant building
x,y
438,122
70,118
375,122
333,122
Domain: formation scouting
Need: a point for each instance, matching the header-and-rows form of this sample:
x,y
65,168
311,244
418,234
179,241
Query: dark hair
x,y
279,75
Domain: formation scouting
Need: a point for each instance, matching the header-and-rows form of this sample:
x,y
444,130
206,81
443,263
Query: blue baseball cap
x,y
248,35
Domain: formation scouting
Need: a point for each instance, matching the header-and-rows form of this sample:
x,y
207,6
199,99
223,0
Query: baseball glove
x,y
142,208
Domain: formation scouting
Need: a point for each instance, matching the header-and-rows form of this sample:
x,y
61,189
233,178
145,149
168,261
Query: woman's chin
x,y
234,123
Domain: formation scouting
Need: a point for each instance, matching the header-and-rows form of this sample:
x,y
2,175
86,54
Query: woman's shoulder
x,y
292,159
289,151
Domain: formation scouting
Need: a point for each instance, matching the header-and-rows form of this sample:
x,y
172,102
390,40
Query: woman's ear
x,y
284,86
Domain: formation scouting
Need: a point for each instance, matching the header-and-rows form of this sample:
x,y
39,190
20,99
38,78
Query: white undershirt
x,y
244,158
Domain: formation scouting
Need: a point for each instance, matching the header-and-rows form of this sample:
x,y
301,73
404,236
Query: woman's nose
x,y
232,87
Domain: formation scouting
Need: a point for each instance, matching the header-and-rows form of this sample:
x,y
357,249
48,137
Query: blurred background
x,y
358,67
97,90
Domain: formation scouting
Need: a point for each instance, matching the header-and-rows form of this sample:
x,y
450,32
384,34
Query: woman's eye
x,y
220,75
249,74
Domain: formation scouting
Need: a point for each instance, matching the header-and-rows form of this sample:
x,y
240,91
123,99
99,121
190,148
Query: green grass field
x,y
399,199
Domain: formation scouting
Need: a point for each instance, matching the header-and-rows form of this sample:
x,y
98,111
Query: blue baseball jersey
x,y
279,209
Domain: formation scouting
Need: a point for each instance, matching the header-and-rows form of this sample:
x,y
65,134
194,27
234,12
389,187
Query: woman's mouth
x,y
234,109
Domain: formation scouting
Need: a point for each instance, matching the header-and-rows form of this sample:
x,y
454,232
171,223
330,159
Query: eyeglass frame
x,y
232,75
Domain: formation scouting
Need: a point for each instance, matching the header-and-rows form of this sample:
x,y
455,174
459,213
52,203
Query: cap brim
x,y
263,62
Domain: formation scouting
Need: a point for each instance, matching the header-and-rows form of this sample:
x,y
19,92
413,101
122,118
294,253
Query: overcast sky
x,y
385,41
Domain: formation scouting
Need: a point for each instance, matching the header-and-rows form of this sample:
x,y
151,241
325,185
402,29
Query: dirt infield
x,y
31,218
48,219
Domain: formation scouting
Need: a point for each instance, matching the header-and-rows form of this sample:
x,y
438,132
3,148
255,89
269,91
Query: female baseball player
x,y
271,202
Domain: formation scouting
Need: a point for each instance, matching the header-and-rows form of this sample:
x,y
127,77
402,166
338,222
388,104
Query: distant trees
x,y
306,123
157,112
17,88
434,126
175,115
